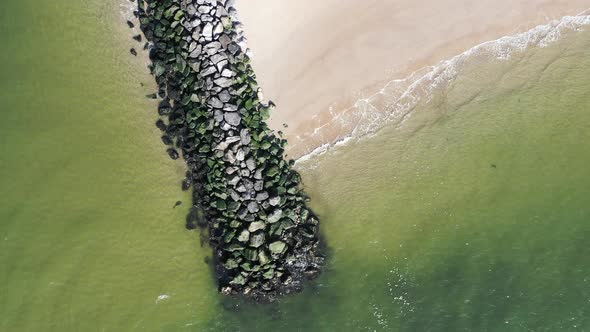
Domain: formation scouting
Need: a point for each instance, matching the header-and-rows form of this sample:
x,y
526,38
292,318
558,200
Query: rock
x,y
239,280
245,136
218,116
186,184
224,96
204,9
227,73
224,82
275,216
258,185
249,185
172,153
256,240
233,48
196,52
251,164
161,125
251,254
137,38
253,207
130,24
215,102
167,140
208,71
213,47
277,247
262,196
263,258
133,52
255,226
275,201
232,118
231,264
235,196
232,139
218,29
218,58
230,108
208,31
244,236
258,174
235,180
240,155
224,40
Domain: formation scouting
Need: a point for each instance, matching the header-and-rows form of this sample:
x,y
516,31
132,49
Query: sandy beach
x,y
316,58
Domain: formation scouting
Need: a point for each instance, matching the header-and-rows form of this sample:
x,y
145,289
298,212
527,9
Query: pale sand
x,y
316,57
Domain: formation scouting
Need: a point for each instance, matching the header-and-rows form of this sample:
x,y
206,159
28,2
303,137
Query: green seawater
x,y
473,215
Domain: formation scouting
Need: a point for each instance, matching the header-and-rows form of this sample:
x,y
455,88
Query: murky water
x,y
470,216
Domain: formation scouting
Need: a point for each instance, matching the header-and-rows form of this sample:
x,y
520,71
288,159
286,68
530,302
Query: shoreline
x,y
421,84
323,71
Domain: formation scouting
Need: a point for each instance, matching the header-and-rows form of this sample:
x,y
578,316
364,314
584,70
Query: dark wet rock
x,y
257,240
138,38
186,184
130,24
173,154
167,140
133,52
161,125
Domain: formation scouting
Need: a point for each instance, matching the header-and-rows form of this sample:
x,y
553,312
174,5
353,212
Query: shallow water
x,y
470,216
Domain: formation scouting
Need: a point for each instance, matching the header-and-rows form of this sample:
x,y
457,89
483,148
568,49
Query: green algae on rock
x,y
265,238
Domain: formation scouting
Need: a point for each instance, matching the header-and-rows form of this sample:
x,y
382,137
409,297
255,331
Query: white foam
x,y
398,98
162,297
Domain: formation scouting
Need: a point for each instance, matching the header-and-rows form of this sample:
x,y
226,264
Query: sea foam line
x,y
400,97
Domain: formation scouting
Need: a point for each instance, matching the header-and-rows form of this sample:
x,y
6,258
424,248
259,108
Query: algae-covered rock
x,y
275,216
257,239
277,248
255,226
244,236
238,280
251,254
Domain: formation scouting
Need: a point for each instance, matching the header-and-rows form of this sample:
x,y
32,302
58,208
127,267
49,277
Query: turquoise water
x,y
471,216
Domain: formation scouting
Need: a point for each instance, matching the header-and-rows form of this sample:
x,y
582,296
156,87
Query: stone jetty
x,y
264,237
